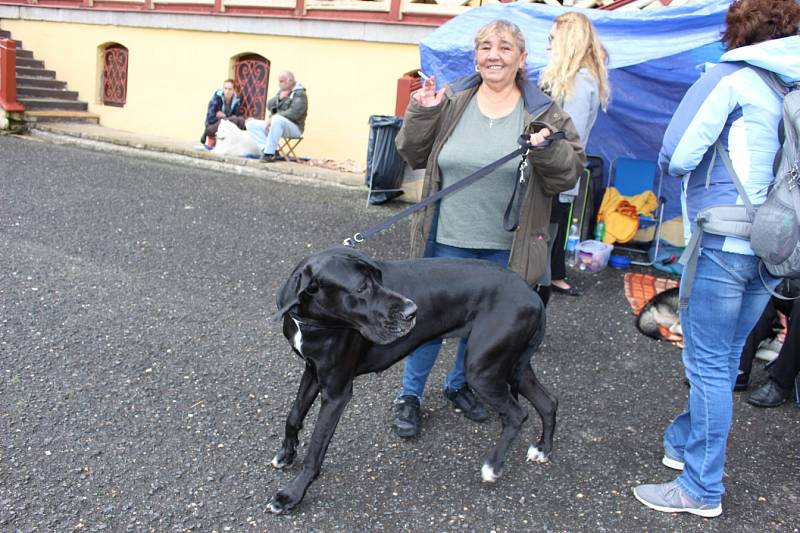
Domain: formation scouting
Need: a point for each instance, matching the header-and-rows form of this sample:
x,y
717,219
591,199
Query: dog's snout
x,y
409,310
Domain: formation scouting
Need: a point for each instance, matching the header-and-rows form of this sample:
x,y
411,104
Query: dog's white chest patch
x,y
297,340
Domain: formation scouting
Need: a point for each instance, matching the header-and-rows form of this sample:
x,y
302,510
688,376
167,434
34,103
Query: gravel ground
x,y
143,389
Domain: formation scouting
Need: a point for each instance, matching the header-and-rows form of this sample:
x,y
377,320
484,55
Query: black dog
x,y
346,314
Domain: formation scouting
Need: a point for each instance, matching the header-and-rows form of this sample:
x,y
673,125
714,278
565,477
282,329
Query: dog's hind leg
x,y
306,394
546,405
512,416
486,375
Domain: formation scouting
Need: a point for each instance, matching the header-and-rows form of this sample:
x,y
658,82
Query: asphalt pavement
x,y
142,387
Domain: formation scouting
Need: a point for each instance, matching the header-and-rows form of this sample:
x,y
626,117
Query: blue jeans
x,y
727,298
418,365
268,137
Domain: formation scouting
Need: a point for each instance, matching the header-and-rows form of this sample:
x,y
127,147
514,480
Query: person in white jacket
x,y
733,104
576,77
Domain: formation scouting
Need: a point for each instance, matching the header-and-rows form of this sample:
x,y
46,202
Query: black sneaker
x,y
269,158
465,402
406,416
770,394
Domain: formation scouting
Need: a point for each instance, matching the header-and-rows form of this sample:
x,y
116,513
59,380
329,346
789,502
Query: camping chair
x,y
632,177
287,147
577,209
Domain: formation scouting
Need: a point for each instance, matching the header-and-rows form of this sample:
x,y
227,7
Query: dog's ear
x,y
301,281
373,266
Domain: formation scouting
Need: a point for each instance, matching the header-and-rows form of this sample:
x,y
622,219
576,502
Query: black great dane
x,y
346,314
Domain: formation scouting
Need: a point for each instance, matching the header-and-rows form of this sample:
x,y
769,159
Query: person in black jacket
x,y
224,104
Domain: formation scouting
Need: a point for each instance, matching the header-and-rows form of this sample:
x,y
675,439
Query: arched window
x,y
251,72
115,75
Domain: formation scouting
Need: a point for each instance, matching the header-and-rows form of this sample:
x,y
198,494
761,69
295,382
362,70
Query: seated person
x,y
763,342
224,104
784,370
288,110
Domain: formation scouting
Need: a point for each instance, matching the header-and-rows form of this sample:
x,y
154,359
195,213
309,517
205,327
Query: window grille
x,y
115,75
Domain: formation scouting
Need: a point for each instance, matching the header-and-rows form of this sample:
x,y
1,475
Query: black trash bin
x,y
384,164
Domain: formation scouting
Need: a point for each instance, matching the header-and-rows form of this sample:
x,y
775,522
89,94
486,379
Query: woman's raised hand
x,y
428,96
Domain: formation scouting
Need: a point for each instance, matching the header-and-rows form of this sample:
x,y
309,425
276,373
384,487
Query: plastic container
x,y
619,262
593,255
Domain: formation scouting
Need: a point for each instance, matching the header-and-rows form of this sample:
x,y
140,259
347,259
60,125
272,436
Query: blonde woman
x,y
576,77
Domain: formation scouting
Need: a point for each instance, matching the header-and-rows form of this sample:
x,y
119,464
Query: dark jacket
x,y
217,103
555,168
294,107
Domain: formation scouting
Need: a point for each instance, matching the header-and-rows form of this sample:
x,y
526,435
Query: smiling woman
x,y
454,131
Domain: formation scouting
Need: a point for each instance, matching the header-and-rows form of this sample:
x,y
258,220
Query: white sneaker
x,y
670,498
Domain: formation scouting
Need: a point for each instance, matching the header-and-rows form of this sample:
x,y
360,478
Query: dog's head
x,y
226,130
343,288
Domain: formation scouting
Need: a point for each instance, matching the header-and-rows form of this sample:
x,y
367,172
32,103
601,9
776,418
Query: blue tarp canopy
x,y
654,56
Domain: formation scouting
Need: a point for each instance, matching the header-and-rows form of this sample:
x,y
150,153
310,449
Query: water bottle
x,y
572,244
600,230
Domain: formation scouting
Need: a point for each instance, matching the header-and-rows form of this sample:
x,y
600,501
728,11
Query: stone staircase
x,y
46,99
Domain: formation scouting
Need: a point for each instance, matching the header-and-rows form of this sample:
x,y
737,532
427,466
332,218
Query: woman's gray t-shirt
x,y
473,216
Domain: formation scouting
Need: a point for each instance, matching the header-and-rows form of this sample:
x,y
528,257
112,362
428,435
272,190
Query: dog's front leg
x,y
306,394
334,400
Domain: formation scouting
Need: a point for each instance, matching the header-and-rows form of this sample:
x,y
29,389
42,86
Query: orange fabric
x,y
641,288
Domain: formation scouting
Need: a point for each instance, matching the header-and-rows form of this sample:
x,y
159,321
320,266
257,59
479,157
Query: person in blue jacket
x,y
225,103
731,103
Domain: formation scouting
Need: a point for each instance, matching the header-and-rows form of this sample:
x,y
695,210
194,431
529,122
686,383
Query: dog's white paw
x,y
276,463
488,474
536,455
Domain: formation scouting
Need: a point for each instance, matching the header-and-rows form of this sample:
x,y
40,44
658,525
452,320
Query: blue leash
x,y
511,217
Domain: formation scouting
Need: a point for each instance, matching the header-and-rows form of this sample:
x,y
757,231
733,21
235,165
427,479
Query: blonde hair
x,y
499,27
575,45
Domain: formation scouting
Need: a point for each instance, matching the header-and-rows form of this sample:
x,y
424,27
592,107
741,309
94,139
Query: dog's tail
x,y
527,354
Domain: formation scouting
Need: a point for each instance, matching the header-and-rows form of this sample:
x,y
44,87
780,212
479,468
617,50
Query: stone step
x,y
45,92
57,104
29,62
35,72
31,81
42,116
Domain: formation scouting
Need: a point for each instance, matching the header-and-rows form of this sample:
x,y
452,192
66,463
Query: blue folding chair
x,y
635,176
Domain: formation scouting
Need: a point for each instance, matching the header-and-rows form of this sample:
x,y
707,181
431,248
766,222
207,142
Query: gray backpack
x,y
773,227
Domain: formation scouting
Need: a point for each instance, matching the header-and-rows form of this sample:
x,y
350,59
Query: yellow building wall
x,y
173,73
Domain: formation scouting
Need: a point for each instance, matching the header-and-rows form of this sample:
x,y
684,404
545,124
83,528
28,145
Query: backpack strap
x,y
725,220
772,81
726,160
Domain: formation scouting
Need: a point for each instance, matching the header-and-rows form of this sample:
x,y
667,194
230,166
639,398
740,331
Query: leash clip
x,y
352,241
523,165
